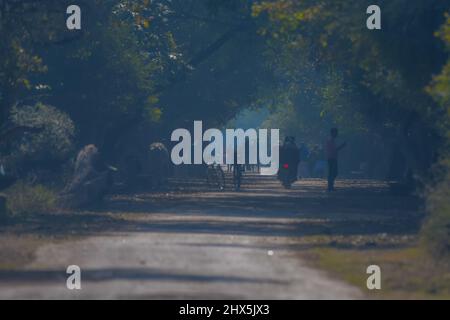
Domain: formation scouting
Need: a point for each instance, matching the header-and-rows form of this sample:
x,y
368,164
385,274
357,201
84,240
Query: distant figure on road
x,y
290,157
303,166
332,151
317,162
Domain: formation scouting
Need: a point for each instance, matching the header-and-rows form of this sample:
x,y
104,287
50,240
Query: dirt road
x,y
203,245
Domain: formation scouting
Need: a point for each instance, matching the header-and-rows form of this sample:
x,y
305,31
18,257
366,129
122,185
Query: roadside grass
x,y
406,272
24,199
18,251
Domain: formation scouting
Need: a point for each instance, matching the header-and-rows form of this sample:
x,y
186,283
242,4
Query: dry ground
x,y
189,242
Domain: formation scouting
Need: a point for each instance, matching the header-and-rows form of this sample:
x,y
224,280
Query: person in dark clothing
x,y
289,154
332,151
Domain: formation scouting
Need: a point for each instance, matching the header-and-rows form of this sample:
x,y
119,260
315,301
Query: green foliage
x,y
436,230
97,75
107,77
439,88
19,61
319,96
25,199
54,140
333,38
301,122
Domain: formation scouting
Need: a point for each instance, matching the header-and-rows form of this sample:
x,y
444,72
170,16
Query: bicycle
x,y
215,177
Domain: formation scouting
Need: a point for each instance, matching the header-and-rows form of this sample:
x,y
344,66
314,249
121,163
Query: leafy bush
x,y
436,229
25,199
54,141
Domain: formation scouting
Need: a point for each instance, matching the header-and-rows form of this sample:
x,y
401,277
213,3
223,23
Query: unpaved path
x,y
202,245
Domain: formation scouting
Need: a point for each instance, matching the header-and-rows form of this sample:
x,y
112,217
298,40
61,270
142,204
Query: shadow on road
x,y
130,274
263,208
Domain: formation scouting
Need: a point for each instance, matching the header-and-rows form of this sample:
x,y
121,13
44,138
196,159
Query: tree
x,y
324,50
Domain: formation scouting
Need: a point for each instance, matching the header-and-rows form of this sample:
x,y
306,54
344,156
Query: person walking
x,y
332,151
